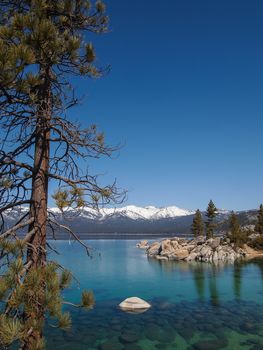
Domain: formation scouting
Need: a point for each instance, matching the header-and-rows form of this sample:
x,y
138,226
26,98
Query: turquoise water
x,y
195,306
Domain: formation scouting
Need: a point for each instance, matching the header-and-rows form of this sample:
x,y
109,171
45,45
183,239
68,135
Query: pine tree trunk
x,y
38,209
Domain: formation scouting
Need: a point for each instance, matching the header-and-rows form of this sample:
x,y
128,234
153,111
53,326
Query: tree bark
x,y
36,252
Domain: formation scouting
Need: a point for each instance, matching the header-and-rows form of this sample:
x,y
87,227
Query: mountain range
x,y
131,220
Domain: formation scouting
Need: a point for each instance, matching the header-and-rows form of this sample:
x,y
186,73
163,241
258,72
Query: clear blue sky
x,y
185,95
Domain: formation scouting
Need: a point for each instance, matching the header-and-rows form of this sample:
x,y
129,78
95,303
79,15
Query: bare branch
x,y
12,230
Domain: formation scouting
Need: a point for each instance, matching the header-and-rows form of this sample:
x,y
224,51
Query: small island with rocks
x,y
235,244
218,249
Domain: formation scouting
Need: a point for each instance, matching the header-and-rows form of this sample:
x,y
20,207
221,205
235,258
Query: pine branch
x,y
66,228
15,204
12,230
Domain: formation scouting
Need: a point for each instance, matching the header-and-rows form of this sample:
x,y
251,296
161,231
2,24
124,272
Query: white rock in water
x,y
134,304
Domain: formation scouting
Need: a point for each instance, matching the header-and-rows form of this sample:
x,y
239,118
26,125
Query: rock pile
x,y
143,244
200,249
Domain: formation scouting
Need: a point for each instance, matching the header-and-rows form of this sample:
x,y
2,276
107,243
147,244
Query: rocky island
x,y
218,249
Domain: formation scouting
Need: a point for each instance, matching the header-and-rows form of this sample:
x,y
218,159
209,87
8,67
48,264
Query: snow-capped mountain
x,y
132,212
130,219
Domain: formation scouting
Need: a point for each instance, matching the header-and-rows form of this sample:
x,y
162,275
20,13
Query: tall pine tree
x,y
259,224
43,43
211,213
197,225
236,235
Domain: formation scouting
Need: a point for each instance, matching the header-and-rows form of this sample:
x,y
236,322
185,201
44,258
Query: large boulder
x,y
180,254
206,251
168,247
172,250
154,249
191,257
133,304
214,242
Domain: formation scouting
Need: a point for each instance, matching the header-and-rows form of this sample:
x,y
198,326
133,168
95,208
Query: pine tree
x,y
236,235
259,224
197,225
43,43
211,213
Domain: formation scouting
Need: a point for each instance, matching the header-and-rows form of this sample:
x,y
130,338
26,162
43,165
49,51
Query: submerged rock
x,y
111,345
151,332
129,337
134,304
132,347
215,344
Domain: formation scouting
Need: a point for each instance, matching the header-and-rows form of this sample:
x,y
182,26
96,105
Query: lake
x,y
195,306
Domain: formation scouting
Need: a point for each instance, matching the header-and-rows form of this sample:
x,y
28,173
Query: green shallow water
x,y
195,306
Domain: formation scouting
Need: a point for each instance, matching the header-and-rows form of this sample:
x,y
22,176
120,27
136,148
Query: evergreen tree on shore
x,y
259,224
211,213
197,225
236,234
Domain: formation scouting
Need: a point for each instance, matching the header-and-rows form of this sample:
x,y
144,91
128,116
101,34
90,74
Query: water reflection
x,y
208,277
237,279
199,278
214,296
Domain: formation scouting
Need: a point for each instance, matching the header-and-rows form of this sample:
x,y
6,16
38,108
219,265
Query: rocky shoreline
x,y
213,250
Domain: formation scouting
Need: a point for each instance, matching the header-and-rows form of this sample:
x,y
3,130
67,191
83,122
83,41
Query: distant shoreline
x,y
93,236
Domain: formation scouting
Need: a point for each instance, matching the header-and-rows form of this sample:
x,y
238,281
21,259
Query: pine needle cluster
x,y
21,289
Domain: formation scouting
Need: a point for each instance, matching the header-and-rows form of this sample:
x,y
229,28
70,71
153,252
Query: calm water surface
x,y
195,306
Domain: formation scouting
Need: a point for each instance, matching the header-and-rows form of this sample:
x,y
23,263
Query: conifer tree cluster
x,y
43,43
197,225
211,213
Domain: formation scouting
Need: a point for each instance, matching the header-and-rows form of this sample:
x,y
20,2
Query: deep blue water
x,y
194,305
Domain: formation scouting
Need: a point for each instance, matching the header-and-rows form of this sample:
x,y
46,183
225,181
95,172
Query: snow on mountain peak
x,y
133,212
130,211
